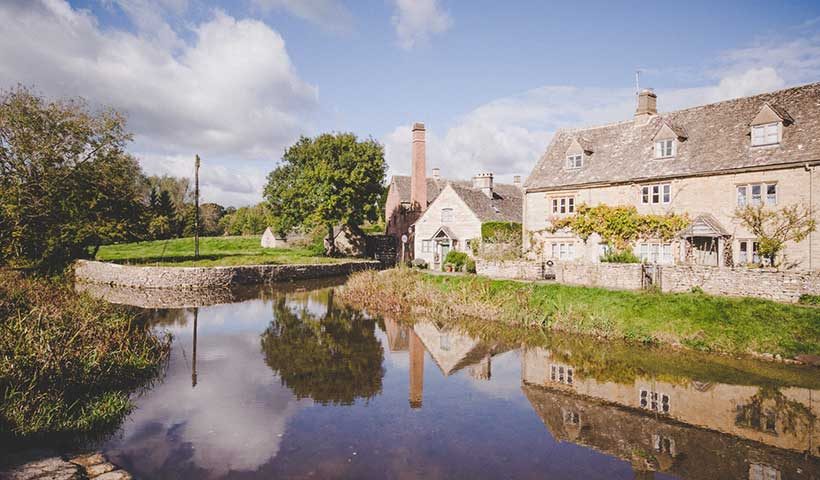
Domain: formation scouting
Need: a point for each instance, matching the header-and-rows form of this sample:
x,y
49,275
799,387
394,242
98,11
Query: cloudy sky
x,y
238,81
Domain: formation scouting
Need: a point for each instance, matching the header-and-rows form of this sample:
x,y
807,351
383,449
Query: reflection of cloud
x,y
232,420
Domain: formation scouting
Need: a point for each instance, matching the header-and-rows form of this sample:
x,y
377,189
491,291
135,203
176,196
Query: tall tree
x,y
66,183
329,180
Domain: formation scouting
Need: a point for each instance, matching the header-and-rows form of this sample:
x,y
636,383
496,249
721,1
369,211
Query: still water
x,y
286,382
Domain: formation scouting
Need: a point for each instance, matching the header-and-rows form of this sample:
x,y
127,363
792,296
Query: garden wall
x,y
208,277
622,276
519,269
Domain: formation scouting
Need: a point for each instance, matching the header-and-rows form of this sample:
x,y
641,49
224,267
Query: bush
x,y
807,299
501,232
622,256
469,266
68,362
420,263
457,259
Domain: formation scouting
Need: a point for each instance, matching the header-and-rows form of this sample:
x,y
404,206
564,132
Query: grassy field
x,y
689,320
213,251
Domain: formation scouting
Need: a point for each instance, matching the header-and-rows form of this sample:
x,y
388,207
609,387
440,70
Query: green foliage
x,y
333,358
68,362
469,265
420,263
456,259
501,232
774,227
620,256
66,183
159,227
620,226
247,220
329,180
807,299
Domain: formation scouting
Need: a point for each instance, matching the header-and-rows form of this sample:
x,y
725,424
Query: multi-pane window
x,y
561,374
758,471
665,148
425,246
657,402
655,252
563,251
575,160
446,215
563,205
767,134
655,194
571,417
663,444
748,252
756,194
444,342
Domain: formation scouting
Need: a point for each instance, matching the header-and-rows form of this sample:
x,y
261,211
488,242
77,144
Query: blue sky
x,y
238,81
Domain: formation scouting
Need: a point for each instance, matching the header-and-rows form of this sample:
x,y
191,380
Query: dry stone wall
x,y
622,276
209,277
522,270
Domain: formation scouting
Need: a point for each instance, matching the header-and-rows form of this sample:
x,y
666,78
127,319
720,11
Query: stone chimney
x,y
647,104
517,181
436,174
484,182
418,174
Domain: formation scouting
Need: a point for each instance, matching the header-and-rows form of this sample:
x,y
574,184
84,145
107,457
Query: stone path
x,y
92,466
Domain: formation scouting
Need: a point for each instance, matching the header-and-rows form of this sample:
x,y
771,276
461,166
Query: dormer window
x,y
766,134
575,160
665,148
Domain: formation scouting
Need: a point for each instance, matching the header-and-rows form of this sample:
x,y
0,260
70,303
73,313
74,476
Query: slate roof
x,y
402,183
505,206
717,139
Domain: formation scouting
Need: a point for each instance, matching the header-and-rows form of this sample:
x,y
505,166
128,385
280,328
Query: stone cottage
x,y
704,161
453,220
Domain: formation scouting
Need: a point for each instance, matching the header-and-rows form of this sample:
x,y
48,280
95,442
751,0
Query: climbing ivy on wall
x,y
620,226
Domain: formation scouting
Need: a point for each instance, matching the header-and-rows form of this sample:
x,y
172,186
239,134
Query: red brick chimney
x,y
418,175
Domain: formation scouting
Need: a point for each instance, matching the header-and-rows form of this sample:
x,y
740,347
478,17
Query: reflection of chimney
x,y
647,104
484,182
517,181
416,370
418,174
436,174
482,369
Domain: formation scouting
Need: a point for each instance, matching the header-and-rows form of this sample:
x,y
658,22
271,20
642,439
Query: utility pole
x,y
193,363
196,213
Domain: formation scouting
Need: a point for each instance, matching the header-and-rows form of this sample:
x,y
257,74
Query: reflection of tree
x,y
333,358
769,411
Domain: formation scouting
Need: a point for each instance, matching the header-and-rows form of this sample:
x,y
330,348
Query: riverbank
x,y
683,320
68,362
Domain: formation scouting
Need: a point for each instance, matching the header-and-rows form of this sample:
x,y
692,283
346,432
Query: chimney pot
x,y
517,180
436,173
484,182
647,104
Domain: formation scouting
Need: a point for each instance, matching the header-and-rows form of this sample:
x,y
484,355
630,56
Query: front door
x,y
705,250
444,249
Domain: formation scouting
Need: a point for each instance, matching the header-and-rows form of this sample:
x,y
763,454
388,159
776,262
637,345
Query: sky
x,y
239,81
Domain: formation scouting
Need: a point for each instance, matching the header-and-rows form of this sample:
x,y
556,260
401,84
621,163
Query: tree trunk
x,y
330,244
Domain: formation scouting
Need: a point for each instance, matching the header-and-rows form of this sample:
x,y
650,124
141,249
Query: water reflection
x,y
292,384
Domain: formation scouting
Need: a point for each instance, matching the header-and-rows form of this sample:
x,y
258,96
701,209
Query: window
x,y
446,215
758,471
655,194
767,134
561,374
663,444
563,251
657,402
575,160
748,252
444,342
563,205
425,246
665,148
755,194
655,252
571,417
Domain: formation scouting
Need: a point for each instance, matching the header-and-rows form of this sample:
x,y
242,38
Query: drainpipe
x,y
810,170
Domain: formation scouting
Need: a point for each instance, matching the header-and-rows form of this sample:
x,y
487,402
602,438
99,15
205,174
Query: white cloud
x,y
232,94
417,20
329,14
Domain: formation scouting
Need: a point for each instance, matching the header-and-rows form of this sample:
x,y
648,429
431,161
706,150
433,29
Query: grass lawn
x,y
213,251
696,321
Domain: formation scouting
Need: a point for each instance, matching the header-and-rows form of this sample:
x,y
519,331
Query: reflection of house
x,y
705,161
398,338
782,419
654,443
452,350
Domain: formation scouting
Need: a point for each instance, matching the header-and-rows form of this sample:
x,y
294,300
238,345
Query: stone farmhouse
x,y
704,161
440,215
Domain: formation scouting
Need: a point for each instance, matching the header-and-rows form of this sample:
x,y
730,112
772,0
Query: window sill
x,y
765,145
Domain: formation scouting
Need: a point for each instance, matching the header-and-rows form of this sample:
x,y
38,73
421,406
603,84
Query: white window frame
x,y
746,194
655,252
563,205
563,250
655,401
766,134
576,160
425,246
656,194
562,374
666,148
446,215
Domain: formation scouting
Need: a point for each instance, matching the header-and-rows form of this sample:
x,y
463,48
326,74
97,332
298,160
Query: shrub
x,y
501,232
457,259
420,263
469,266
807,299
620,256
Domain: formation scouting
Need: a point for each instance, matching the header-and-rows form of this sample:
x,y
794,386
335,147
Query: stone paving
x,y
91,466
